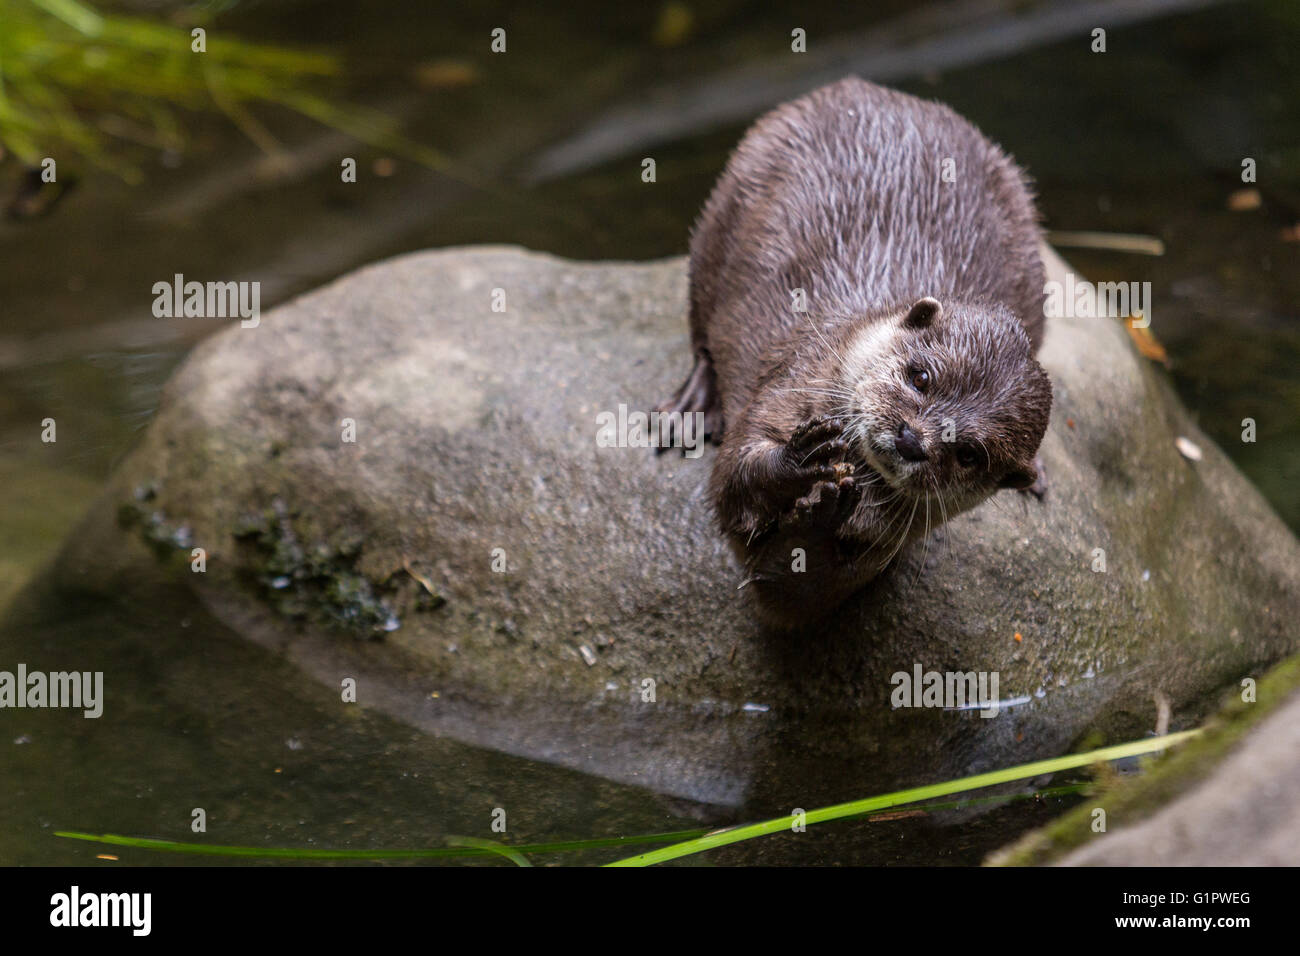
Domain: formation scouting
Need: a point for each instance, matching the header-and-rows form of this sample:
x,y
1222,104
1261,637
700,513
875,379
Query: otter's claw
x,y
816,453
817,439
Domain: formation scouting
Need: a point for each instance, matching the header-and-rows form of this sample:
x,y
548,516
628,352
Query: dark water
x,y
198,718
1145,138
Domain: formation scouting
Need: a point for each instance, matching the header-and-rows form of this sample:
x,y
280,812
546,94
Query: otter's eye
x,y
967,456
920,379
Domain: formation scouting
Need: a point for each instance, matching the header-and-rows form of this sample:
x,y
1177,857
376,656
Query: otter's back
x,y
843,194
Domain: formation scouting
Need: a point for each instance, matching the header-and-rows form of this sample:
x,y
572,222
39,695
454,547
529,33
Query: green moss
x,y
322,579
299,581
1134,798
164,538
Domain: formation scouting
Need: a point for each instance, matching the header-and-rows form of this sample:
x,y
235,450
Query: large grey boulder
x,y
476,431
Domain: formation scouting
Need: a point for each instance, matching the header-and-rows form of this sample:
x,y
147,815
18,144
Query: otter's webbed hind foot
x,y
699,393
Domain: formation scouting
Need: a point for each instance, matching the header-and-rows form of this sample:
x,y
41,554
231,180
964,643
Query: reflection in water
x,y
196,718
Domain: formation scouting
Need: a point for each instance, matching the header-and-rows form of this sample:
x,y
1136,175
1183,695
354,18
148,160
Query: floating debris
x,y
1163,710
1244,200
445,74
1110,241
1188,448
996,704
1147,344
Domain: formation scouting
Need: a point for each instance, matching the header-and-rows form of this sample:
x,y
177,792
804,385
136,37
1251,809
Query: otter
x,y
866,304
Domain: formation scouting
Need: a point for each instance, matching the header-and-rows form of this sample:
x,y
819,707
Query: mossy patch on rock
x,y
1132,798
164,537
299,579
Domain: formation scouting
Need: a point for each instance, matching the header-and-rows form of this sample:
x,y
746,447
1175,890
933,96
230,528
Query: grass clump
x,y
77,83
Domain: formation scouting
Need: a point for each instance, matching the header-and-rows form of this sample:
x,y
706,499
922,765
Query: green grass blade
x,y
80,18
511,853
65,68
465,847
857,807
431,853
684,842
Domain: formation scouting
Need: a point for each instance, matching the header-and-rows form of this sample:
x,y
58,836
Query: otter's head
x,y
948,401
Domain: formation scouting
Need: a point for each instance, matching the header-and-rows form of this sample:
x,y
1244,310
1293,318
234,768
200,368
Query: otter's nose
x,y
908,445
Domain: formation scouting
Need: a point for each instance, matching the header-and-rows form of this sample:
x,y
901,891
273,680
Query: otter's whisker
x,y
943,517
925,551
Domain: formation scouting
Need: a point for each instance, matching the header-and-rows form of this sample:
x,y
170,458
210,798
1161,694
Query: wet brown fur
x,y
840,194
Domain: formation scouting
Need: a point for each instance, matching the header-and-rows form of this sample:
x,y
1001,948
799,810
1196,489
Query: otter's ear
x,y
1020,478
923,314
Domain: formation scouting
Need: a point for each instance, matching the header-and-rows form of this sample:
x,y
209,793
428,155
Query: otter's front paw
x,y
816,470
823,509
817,444
781,475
